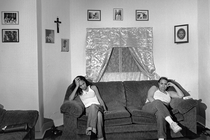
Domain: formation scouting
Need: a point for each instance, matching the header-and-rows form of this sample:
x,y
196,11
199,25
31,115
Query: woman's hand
x,y
169,84
77,81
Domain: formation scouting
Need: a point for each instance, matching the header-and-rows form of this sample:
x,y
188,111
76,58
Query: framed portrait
x,y
94,15
10,35
49,36
142,15
118,14
10,17
181,33
64,45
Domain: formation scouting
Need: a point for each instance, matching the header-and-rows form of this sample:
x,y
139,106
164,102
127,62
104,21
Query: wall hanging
x,y
10,17
49,36
142,15
181,33
118,14
94,15
10,35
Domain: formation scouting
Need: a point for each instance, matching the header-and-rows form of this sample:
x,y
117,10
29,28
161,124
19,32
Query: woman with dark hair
x,y
94,105
158,101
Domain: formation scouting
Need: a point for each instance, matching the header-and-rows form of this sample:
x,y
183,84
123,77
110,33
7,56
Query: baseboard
x,y
48,123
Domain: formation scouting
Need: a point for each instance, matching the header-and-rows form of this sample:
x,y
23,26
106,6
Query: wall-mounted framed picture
x,y
49,36
118,14
10,17
142,15
64,45
10,35
94,15
181,33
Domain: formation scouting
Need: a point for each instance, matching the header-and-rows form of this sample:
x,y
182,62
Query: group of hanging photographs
x,y
95,15
10,18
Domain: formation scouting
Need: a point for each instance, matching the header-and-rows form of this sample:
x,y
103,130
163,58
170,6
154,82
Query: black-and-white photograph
x,y
10,18
118,14
94,15
49,36
10,35
64,45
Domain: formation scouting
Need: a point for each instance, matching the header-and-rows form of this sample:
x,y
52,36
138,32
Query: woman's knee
x,y
93,107
158,103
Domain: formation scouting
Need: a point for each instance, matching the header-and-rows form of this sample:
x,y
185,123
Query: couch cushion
x,y
112,94
111,118
141,117
13,136
2,112
136,92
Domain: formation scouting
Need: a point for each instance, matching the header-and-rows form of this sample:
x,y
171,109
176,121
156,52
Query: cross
x,y
58,22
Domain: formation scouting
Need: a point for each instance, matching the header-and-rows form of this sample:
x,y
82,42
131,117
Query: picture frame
x,y
10,35
118,14
142,15
94,15
64,45
181,33
49,36
10,17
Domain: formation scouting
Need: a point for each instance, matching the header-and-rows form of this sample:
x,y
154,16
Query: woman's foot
x,y
175,127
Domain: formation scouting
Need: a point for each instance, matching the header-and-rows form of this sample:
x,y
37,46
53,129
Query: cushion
x,y
112,94
181,105
136,92
74,108
2,113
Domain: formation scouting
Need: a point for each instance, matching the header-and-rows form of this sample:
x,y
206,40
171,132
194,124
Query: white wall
x,y
18,61
176,61
204,57
56,64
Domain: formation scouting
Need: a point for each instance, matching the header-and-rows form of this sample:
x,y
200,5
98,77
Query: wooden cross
x,y
57,22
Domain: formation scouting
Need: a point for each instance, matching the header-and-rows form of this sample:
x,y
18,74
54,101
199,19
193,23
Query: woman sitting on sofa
x,y
94,105
158,101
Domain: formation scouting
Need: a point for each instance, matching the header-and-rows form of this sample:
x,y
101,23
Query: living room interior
x,y
35,74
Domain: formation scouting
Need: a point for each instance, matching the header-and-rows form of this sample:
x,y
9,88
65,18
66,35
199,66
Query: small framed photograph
x,y
10,17
181,33
64,45
94,15
10,35
49,36
118,14
142,15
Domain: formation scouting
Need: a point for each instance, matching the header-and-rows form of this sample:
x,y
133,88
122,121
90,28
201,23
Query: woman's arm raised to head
x,y
175,94
72,96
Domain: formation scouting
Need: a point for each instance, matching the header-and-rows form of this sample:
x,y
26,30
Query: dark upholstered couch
x,y
12,117
125,120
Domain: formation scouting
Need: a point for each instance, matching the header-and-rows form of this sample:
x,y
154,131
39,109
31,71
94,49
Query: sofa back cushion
x,y
136,92
112,94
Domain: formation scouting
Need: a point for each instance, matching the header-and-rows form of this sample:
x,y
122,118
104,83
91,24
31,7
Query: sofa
x,y
125,119
18,117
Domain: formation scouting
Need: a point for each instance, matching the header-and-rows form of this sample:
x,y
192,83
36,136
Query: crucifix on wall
x,y
57,22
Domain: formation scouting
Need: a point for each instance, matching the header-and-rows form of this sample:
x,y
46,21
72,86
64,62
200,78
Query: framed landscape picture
x,y
10,17
118,14
142,15
181,33
94,15
10,35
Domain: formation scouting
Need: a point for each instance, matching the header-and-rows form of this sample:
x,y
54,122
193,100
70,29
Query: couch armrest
x,y
20,116
73,108
183,106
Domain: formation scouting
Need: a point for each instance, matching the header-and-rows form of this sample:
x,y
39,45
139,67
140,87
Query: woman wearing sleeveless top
x,y
94,105
157,103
